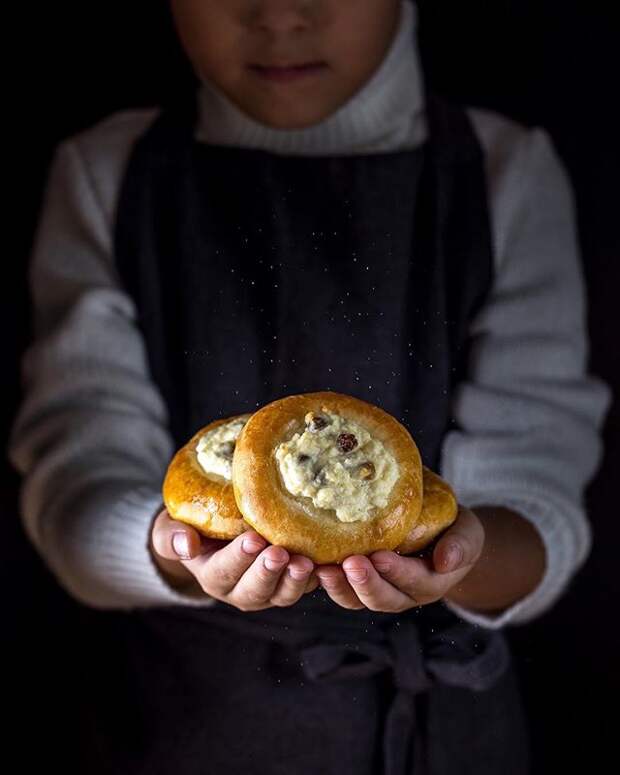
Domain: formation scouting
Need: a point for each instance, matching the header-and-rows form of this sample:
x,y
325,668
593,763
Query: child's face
x,y
244,46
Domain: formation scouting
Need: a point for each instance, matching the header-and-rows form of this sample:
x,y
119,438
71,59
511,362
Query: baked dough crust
x,y
294,522
204,500
208,503
439,510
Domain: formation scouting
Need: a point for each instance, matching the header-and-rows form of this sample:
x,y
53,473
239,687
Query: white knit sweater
x,y
91,437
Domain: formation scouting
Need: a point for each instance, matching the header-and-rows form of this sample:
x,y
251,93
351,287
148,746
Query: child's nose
x,y
283,16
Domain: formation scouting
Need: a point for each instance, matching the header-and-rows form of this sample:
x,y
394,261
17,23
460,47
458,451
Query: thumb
x,y
461,544
174,540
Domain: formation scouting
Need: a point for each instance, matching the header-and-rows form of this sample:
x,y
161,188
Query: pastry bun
x,y
201,498
327,475
439,510
227,479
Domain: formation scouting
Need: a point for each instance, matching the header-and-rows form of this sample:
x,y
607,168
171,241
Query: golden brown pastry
x,y
439,510
327,475
197,488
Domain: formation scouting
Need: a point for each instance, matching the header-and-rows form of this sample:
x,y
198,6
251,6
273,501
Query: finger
x,y
174,540
375,592
414,577
461,545
219,571
258,583
335,583
313,583
293,581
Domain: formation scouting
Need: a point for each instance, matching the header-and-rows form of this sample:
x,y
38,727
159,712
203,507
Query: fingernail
x,y
273,564
297,573
180,544
251,545
359,574
382,568
454,556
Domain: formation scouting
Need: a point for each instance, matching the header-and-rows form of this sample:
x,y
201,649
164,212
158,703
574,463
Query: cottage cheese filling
x,y
338,464
216,447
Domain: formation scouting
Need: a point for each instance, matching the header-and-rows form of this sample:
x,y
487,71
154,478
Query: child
x,y
312,218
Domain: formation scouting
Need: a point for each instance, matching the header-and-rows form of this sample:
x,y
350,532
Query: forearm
x,y
511,565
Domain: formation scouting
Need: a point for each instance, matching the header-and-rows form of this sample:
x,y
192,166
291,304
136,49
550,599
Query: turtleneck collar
x,y
387,113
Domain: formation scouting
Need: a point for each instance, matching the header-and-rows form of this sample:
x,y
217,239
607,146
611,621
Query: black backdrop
x,y
548,62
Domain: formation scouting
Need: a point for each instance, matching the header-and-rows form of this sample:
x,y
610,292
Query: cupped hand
x,y
246,572
386,581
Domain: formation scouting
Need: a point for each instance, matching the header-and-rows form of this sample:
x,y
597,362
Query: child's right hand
x,y
231,571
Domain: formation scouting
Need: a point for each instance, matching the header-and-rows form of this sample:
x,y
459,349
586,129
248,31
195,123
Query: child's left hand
x,y
386,581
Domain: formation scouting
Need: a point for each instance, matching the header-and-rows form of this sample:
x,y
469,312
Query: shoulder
x,y
524,173
512,150
103,150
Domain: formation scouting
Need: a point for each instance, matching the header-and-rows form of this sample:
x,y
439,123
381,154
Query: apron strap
x,y
450,657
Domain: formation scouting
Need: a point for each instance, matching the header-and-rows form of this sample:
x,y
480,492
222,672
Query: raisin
x,y
319,478
315,422
346,442
227,449
365,470
303,458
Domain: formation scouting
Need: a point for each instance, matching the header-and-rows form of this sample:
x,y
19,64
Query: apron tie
x,y
448,657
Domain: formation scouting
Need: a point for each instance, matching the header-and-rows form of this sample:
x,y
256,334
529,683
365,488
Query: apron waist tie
x,y
449,657
417,656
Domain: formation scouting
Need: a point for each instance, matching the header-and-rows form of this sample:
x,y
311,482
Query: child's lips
x,y
286,73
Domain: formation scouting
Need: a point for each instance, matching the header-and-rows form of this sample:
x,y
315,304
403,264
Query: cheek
x,y
222,64
212,39
359,41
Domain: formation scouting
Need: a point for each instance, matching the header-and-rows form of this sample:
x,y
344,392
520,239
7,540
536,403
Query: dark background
x,y
544,62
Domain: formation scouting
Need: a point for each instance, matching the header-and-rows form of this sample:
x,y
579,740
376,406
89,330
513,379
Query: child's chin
x,y
298,116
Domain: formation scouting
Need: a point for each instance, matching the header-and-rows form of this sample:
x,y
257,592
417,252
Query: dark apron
x,y
256,276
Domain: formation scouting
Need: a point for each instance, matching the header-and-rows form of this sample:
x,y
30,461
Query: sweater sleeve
x,y
90,438
529,415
